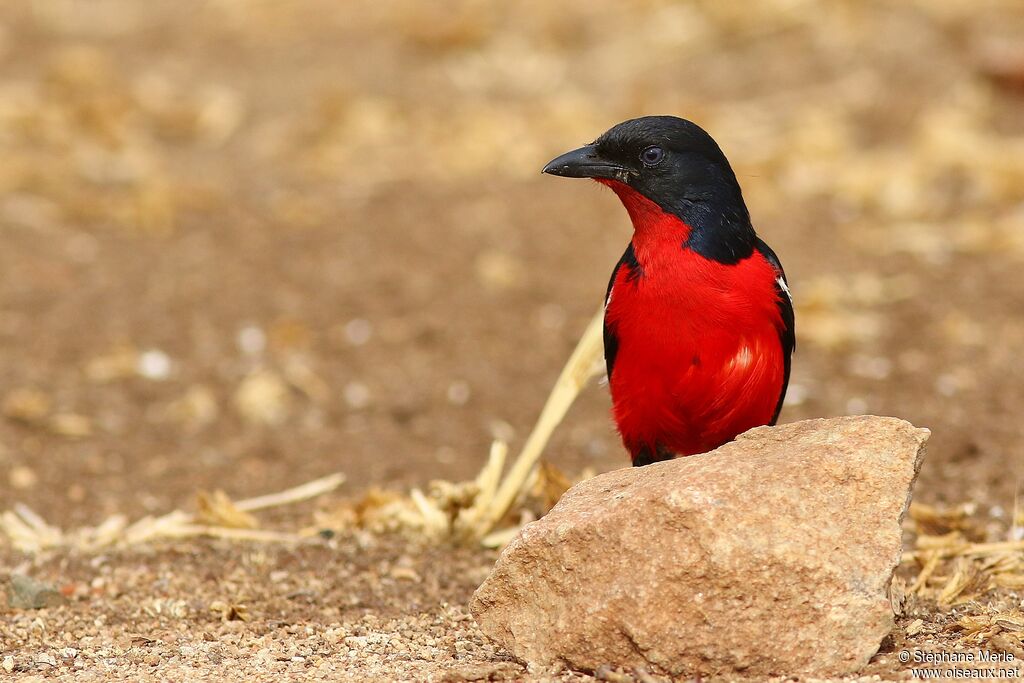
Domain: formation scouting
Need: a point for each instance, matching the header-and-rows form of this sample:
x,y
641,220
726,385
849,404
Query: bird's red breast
x,y
698,354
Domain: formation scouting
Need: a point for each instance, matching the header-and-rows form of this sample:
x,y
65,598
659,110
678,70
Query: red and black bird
x,y
698,320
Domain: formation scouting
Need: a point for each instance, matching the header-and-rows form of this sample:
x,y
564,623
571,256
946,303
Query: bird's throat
x,y
654,229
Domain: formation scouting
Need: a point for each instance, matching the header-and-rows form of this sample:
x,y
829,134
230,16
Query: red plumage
x,y
700,358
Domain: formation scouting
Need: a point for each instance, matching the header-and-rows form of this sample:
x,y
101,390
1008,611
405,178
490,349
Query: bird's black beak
x,y
585,162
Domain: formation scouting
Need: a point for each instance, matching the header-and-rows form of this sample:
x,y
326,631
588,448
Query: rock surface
x,y
771,555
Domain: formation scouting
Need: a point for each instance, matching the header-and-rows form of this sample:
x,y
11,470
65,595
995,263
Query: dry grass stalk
x,y
1001,630
929,567
952,549
583,365
957,565
216,509
217,517
965,584
311,489
932,521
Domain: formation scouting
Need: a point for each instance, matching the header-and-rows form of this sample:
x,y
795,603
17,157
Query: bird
x,y
699,328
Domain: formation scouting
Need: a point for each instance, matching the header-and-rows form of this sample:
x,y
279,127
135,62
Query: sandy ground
x,y
247,245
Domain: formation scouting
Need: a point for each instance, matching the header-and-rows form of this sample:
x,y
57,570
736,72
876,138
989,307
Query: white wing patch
x,y
743,358
781,282
609,299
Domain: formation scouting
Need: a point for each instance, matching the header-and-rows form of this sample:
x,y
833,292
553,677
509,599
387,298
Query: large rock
x,y
770,555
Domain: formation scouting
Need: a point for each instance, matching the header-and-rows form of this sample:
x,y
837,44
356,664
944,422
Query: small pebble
x,y
357,395
154,364
458,393
358,331
251,340
22,477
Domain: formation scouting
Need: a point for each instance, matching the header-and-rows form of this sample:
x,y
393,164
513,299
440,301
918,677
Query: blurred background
x,y
246,243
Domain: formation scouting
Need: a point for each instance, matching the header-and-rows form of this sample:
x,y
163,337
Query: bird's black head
x,y
678,166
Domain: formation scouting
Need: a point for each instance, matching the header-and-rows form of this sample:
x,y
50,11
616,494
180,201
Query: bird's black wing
x,y
787,335
611,340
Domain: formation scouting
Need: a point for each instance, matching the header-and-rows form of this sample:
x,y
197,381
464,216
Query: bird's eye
x,y
652,156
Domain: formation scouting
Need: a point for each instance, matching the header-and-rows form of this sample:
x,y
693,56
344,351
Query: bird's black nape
x,y
678,166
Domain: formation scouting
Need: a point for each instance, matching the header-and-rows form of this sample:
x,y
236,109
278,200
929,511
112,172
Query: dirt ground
x,y
248,244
